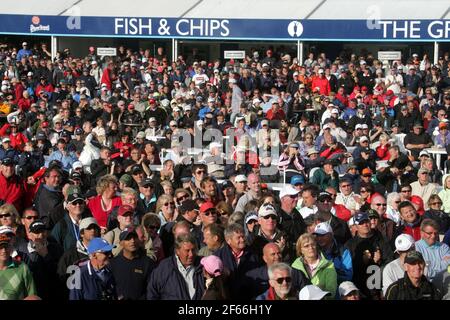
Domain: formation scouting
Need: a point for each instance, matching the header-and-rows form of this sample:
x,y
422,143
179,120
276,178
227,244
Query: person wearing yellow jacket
x,y
314,265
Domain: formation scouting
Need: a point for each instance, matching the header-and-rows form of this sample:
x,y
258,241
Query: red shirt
x,y
95,205
278,115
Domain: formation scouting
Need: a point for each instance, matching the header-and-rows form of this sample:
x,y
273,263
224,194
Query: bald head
x,y
254,182
271,254
378,203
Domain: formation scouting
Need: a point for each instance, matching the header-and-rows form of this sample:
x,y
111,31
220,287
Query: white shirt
x,y
188,275
391,273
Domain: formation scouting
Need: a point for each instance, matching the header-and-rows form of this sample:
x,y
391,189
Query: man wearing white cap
x,y
348,291
24,52
89,230
291,220
335,252
267,231
395,270
254,192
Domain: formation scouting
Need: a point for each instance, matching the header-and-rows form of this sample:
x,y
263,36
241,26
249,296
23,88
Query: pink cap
x,y
213,265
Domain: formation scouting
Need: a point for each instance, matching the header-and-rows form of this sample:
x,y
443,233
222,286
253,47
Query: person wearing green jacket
x,y
326,177
444,194
314,265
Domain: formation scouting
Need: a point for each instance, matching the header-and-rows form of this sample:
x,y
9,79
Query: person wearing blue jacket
x,y
96,281
180,276
340,256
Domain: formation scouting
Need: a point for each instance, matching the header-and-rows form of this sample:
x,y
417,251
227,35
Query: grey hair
x,y
233,228
391,197
185,238
278,266
429,223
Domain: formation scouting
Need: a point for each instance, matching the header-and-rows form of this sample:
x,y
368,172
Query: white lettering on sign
x,y
438,30
411,29
132,26
202,27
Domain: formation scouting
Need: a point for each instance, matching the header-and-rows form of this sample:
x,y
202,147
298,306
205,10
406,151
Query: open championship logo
x,y
295,29
36,26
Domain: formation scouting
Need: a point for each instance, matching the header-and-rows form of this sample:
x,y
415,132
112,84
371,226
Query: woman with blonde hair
x,y
105,201
165,208
314,265
9,217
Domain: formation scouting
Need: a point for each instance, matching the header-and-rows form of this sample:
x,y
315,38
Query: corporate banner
x,y
228,29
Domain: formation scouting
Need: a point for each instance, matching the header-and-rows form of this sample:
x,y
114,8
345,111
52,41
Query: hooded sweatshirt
x,y
444,194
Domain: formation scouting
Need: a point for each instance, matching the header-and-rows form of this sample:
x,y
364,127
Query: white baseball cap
x,y
77,164
267,210
288,190
358,126
312,292
404,242
323,228
335,111
86,222
326,126
363,138
424,153
240,178
346,288
364,126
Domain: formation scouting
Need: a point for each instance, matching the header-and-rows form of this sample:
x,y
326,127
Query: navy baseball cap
x,y
127,232
360,217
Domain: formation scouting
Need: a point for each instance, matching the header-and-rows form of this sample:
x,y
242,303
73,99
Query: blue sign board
x,y
228,29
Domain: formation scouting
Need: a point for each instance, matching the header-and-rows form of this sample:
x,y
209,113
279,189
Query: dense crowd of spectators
x,y
139,177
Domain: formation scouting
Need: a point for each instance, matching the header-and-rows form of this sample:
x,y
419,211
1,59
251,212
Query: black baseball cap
x,y
37,226
8,161
188,205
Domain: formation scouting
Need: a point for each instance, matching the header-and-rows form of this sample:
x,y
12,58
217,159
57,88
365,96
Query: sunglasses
x,y
381,204
271,216
179,199
396,201
436,203
367,175
153,227
406,191
362,191
6,215
169,203
210,212
78,203
281,280
31,217
199,172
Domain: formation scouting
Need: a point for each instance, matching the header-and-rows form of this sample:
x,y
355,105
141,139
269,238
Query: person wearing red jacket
x,y
411,220
124,146
322,83
276,113
18,90
24,103
12,187
18,139
383,149
44,86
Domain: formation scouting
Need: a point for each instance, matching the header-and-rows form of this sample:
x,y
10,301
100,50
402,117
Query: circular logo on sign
x,y
35,20
295,29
